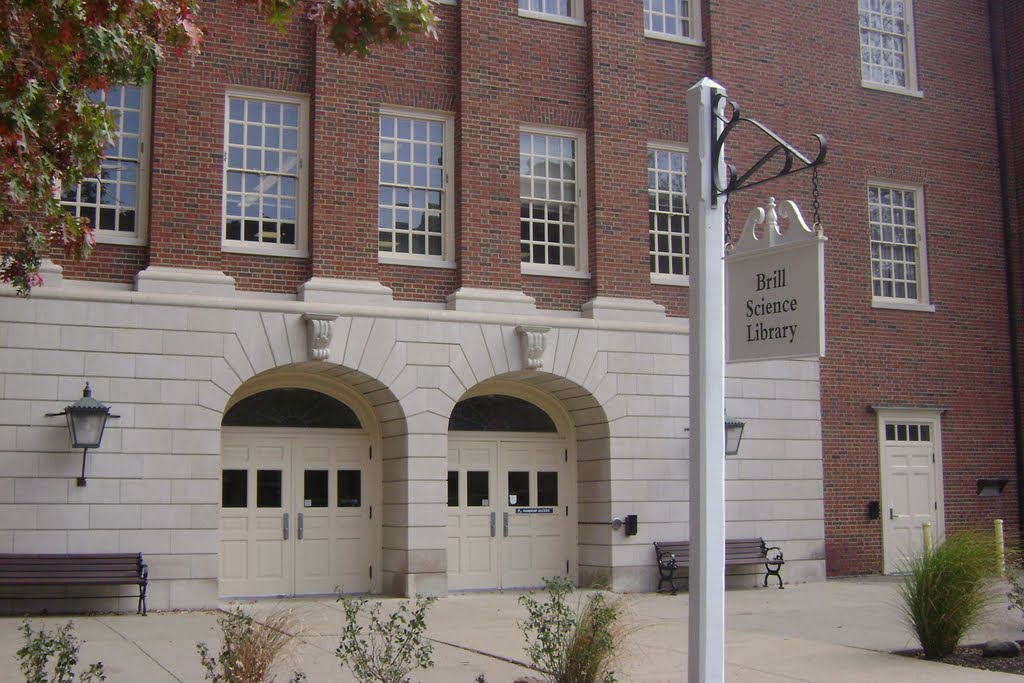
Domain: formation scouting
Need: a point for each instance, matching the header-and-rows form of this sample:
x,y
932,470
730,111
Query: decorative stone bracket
x,y
320,329
533,339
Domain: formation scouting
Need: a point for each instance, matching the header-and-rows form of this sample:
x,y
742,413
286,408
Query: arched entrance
x,y
511,495
298,487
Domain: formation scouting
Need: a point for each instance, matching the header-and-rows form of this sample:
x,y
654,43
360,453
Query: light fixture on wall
x,y
733,435
87,419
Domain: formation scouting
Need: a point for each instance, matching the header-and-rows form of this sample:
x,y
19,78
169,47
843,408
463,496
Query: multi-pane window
x,y
897,243
412,187
112,202
669,219
549,206
670,18
558,8
908,432
263,173
886,41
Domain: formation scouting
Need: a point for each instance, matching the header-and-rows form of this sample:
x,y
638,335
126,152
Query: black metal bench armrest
x,y
773,557
669,563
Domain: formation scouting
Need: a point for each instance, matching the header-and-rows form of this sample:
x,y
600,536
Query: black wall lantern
x,y
86,418
733,435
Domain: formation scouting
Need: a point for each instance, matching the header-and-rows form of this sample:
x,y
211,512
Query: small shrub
x,y
250,648
572,646
389,649
945,591
40,646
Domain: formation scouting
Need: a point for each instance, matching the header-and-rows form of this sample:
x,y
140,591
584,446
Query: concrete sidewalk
x,y
833,632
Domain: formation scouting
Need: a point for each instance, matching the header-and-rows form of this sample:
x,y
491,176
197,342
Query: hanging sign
x,y
775,288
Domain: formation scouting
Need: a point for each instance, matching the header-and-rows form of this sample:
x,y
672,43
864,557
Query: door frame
x,y
933,418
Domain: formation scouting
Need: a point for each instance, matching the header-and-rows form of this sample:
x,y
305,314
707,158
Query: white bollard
x,y
926,531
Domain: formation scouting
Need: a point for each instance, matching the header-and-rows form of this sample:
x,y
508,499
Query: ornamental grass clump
x,y
573,645
250,649
946,589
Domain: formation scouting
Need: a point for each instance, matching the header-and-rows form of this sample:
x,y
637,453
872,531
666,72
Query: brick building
x,y
337,362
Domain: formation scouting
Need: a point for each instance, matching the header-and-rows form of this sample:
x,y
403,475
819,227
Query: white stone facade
x,y
170,362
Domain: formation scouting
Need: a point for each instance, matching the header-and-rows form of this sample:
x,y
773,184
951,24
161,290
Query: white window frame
x,y
582,268
667,278
693,18
301,247
447,257
910,56
139,236
575,14
922,301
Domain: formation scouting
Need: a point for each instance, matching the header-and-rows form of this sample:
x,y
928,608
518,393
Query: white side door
x,y
911,488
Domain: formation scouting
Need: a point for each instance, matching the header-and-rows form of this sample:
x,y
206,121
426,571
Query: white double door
x,y
296,512
510,511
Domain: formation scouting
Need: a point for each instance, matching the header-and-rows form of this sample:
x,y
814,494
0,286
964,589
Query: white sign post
x,y
706,653
775,288
773,277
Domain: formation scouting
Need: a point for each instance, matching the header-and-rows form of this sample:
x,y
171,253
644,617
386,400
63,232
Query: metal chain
x,y
815,194
728,223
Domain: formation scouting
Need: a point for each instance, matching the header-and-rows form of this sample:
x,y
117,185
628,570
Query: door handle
x,y
492,523
891,514
300,526
505,524
284,525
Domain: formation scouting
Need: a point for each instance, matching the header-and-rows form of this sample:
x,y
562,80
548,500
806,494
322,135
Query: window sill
x,y
572,21
902,305
104,237
419,262
669,38
553,271
670,280
894,89
234,248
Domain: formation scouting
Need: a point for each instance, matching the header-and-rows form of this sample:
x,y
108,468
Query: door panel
x,y
472,537
537,546
911,491
254,554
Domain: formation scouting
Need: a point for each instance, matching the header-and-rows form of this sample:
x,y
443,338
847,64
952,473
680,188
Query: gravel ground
x,y
970,656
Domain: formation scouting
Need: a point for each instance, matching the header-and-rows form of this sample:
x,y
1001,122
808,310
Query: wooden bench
x,y
97,569
673,555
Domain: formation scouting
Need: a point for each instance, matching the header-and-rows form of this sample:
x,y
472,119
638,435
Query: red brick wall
x,y
956,358
1009,28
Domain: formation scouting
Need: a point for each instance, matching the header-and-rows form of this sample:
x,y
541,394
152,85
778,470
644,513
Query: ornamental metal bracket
x,y
533,339
735,181
320,329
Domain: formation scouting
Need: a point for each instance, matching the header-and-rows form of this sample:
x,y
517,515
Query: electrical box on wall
x,y
631,525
